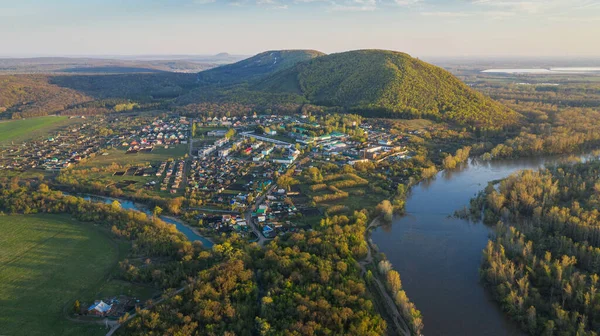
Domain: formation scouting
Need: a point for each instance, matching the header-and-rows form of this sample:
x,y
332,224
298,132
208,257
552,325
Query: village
x,y
74,144
250,177
236,162
55,152
225,168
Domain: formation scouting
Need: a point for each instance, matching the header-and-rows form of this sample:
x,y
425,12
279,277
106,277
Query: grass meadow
x,y
25,129
46,262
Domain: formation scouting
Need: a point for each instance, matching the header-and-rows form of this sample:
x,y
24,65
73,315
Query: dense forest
x,y
304,283
307,283
220,300
26,96
313,284
579,91
387,84
543,263
555,121
240,94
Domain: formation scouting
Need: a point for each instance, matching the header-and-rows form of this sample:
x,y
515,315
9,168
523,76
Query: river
x,y
127,204
438,257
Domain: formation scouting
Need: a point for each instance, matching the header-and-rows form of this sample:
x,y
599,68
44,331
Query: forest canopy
x,y
544,263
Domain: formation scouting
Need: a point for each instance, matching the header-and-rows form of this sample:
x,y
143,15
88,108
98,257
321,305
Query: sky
x,y
422,28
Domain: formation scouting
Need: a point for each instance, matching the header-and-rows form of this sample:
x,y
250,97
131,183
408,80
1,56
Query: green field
x,y
21,130
46,262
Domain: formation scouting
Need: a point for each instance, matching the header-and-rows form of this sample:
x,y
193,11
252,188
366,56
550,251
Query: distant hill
x,y
24,96
110,70
29,96
57,65
373,83
387,84
256,67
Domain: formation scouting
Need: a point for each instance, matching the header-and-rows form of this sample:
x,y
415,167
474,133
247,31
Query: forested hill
x,y
34,95
26,96
387,83
373,83
256,67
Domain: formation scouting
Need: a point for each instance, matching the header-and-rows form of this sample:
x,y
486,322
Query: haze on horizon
x,y
423,28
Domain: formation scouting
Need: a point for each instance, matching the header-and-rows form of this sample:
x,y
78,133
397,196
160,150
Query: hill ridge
x,y
256,67
387,83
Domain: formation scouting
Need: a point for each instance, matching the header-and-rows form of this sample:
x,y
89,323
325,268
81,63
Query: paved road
x,y
248,216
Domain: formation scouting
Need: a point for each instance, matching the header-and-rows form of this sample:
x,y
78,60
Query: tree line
x,y
303,283
543,263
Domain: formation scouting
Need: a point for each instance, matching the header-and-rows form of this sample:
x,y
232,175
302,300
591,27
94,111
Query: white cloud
x,y
366,2
496,9
272,4
353,5
537,6
351,8
334,5
495,15
589,5
533,6
366,5
406,2
446,14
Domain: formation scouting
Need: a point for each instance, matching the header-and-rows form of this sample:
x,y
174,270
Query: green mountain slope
x,y
256,67
387,83
34,95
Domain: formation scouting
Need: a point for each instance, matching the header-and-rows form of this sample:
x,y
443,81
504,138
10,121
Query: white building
x,y
224,152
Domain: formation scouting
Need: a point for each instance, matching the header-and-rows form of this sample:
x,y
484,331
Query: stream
x,y
130,205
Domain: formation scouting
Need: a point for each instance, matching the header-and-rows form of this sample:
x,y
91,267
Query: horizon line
x,y
180,55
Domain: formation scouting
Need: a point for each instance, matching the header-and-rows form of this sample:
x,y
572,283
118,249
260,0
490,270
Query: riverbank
x,y
191,233
193,229
385,301
438,257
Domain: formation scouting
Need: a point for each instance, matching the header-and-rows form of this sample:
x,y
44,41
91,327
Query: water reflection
x,y
438,256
